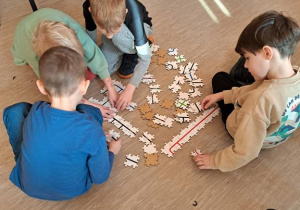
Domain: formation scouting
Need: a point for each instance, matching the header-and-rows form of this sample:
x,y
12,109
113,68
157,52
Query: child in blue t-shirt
x,y
60,147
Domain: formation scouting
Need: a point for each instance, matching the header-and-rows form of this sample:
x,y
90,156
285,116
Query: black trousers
x,y
224,81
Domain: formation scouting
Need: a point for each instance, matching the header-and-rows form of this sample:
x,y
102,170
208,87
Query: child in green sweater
x,y
46,28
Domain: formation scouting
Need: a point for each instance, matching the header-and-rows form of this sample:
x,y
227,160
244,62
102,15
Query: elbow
x,y
101,180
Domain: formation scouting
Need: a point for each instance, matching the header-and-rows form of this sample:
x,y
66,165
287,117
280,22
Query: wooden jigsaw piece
x,y
144,109
151,159
167,104
147,138
132,160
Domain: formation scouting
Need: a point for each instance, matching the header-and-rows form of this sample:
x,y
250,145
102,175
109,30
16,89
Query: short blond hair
x,y
61,71
51,34
108,14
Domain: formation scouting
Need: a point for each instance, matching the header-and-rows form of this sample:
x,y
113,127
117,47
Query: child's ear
x,y
89,9
84,86
41,87
268,52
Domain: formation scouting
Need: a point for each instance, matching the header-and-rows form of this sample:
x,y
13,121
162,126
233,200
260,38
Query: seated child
x,y
266,113
124,25
47,28
60,147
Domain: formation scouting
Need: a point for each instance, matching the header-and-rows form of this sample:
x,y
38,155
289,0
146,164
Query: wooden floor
x,y
270,181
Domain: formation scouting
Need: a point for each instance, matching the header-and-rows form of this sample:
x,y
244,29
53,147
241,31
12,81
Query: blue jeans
x,y
14,117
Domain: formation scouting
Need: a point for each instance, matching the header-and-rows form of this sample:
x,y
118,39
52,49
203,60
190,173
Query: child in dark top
x,y
60,147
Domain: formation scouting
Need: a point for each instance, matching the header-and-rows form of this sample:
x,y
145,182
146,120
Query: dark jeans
x,y
14,117
223,81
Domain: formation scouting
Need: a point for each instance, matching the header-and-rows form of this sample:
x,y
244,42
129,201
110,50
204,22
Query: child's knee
x,y
18,108
218,79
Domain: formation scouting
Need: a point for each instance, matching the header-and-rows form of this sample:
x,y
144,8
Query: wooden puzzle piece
x,y
163,120
161,60
131,107
191,77
179,80
113,135
182,117
152,99
177,111
150,148
155,88
119,87
148,116
147,138
182,103
154,48
195,108
190,67
124,126
151,124
194,92
174,87
144,108
153,59
151,159
148,78
161,52
196,152
180,58
182,95
172,51
191,130
171,65
167,104
104,102
132,161
196,83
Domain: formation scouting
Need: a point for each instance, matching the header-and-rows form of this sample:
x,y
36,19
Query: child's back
x,y
57,147
60,147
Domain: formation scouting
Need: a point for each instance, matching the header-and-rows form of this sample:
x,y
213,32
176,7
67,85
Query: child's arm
x,y
211,99
100,163
248,141
139,72
95,59
124,41
105,111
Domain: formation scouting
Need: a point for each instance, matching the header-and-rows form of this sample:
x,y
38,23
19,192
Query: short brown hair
x,y
271,28
61,71
51,34
108,14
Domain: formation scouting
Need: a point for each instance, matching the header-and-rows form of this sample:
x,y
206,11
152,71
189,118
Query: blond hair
x,y
51,34
61,71
108,14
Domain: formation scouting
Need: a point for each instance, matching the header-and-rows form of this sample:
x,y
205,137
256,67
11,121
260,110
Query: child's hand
x,y
125,97
204,161
211,99
115,146
113,97
106,112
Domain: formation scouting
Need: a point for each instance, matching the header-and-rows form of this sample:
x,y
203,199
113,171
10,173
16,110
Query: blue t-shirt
x,y
62,154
